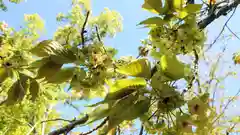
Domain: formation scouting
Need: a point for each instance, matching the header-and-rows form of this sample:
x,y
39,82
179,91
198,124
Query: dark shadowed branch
x,y
141,130
70,126
96,128
83,28
220,11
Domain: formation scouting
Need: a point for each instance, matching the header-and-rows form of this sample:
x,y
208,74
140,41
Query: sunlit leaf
x,y
137,68
178,4
189,9
157,21
47,48
125,83
153,6
173,68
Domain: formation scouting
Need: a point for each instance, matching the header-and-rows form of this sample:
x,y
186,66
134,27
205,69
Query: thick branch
x,y
221,10
69,127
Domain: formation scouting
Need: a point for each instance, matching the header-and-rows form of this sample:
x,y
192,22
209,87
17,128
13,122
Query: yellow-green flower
x,y
184,124
197,106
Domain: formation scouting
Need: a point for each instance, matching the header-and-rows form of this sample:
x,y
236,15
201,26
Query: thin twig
x,y
233,32
98,35
99,126
229,101
83,28
58,119
73,106
210,46
99,38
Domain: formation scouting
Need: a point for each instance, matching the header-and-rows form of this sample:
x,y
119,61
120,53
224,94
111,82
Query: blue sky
x,y
128,40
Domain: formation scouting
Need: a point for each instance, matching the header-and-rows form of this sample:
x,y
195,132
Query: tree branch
x,y
221,10
99,126
69,127
141,130
83,28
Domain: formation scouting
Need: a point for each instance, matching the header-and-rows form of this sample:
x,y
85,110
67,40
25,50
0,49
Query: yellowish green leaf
x,y
47,48
153,21
137,68
154,6
173,68
125,83
3,74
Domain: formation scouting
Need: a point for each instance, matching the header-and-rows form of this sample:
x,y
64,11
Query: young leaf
x,y
63,75
153,21
34,89
153,6
137,68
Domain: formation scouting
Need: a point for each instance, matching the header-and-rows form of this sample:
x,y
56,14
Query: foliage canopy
x,y
75,65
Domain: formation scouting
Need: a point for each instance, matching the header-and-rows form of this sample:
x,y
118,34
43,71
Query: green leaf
x,y
153,6
63,75
173,68
46,48
18,90
3,74
137,68
192,8
48,70
34,89
178,4
98,113
64,57
189,9
157,21
39,63
126,83
129,108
